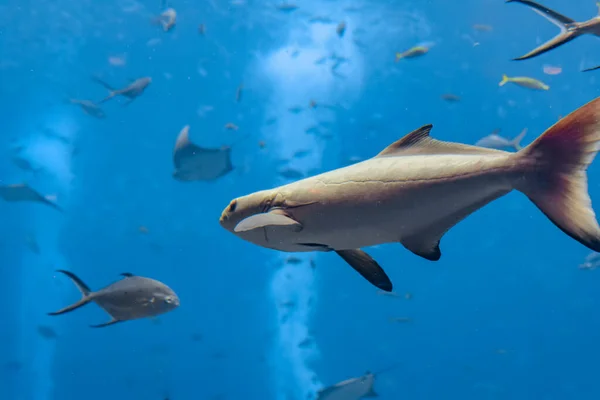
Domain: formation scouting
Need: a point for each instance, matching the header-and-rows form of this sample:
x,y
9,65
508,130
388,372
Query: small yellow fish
x,y
523,81
412,52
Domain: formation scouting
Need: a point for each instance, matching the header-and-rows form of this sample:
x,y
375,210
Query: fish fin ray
x,y
418,142
275,217
111,322
86,294
366,266
556,179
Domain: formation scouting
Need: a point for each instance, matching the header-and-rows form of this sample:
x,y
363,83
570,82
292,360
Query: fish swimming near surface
x,y
418,188
195,163
495,141
131,92
525,82
133,297
23,192
569,28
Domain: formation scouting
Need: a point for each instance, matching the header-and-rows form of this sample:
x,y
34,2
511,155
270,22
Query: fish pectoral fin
x,y
365,265
276,217
111,322
423,246
371,393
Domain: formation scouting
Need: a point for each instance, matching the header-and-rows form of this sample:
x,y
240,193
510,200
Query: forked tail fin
x,y
565,24
86,293
556,178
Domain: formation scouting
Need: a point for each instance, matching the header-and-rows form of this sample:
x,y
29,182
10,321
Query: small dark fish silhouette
x,y
195,163
132,91
133,297
46,332
22,192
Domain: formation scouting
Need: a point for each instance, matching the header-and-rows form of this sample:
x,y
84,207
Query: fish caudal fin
x,y
504,80
561,21
556,178
86,294
516,142
365,265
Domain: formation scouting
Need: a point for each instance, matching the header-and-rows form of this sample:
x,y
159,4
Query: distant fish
x,y
195,163
22,192
239,92
495,141
416,189
293,260
295,109
231,126
352,389
132,91
32,244
133,297
290,173
301,153
525,82
413,52
202,29
341,29
551,70
25,164
286,7
320,19
592,261
89,107
47,332
168,19
117,61
482,28
569,28
450,98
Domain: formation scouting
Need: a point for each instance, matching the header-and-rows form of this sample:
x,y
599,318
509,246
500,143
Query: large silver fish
x,y
418,188
133,297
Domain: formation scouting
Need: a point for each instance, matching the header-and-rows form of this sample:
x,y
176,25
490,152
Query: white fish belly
x,y
388,199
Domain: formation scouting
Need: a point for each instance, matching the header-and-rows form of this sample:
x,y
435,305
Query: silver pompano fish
x,y
495,141
133,297
351,389
418,188
132,91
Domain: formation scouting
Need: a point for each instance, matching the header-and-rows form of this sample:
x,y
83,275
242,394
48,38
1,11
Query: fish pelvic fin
x,y
86,293
504,81
365,265
568,30
111,322
516,142
556,178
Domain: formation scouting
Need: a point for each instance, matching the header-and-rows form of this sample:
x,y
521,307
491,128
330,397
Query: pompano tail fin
x,y
563,22
504,81
86,293
556,178
516,142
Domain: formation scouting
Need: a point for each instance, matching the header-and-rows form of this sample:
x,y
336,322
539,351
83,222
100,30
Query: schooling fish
x,y
524,81
412,52
569,28
195,163
495,141
22,192
418,188
131,91
133,297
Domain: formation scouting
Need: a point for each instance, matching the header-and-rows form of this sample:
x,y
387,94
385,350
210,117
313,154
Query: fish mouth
x,y
225,220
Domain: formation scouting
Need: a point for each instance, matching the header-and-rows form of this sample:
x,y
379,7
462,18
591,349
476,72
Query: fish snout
x,y
226,214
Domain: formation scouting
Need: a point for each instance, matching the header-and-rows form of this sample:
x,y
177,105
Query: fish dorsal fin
x,y
183,139
127,274
418,142
412,139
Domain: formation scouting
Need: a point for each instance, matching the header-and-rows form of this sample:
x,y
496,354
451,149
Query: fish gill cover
x,y
93,97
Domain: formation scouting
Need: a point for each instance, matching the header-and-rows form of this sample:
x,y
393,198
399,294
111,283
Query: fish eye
x,y
168,299
232,206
